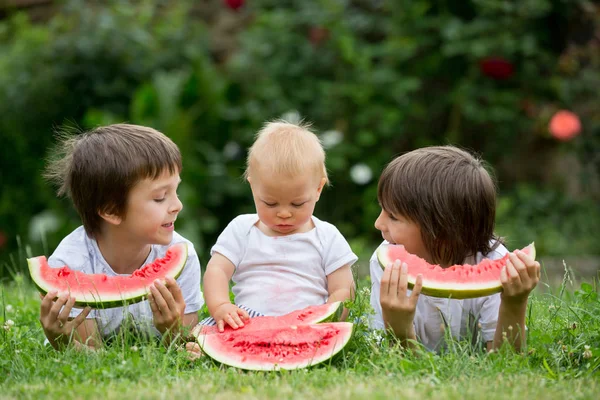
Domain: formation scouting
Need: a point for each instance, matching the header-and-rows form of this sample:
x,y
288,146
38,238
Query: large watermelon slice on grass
x,y
292,341
458,281
102,291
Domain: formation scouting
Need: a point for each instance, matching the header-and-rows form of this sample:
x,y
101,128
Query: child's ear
x,y
111,218
320,188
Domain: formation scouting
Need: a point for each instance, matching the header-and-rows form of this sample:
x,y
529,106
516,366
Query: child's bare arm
x,y
519,278
341,287
340,284
216,291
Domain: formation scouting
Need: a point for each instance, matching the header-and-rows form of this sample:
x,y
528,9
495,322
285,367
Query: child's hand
x,y
167,305
399,309
55,322
520,275
232,314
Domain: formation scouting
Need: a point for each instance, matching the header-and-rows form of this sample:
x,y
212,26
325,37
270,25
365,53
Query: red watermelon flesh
x,y
329,312
290,347
102,291
458,281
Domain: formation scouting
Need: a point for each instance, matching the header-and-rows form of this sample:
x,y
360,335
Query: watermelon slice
x,y
102,291
329,312
458,281
284,347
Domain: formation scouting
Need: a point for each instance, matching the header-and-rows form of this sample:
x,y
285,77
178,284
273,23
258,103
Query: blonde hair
x,y
286,149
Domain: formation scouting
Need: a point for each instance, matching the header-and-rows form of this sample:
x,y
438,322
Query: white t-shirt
x,y
81,253
275,275
469,317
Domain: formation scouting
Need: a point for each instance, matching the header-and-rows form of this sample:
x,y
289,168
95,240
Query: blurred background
x,y
516,82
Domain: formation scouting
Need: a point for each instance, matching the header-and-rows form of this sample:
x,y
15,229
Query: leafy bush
x,y
376,79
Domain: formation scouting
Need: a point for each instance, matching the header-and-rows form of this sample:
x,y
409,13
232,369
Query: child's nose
x,y
177,205
285,213
378,222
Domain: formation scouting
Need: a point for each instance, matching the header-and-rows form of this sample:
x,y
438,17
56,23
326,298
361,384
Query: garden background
x,y
376,78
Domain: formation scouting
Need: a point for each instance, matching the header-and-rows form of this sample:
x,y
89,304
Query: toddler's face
x,y
398,229
285,205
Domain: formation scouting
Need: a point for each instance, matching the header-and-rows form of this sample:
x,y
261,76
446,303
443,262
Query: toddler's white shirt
x,y
476,317
81,253
275,275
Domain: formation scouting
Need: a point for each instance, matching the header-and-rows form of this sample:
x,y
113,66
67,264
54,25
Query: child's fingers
x,y
47,301
81,317
194,351
229,319
221,325
159,300
524,257
237,320
394,277
403,284
153,306
175,290
511,271
165,300
503,275
534,270
64,314
384,286
416,291
58,304
519,267
243,314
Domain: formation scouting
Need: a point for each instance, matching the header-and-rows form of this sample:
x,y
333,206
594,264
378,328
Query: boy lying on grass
x,y
440,203
123,182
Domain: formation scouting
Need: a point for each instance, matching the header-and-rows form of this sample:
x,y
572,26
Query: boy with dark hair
x,y
122,180
440,203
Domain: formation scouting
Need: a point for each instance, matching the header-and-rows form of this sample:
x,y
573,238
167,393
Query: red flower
x,y
496,68
318,35
234,4
564,125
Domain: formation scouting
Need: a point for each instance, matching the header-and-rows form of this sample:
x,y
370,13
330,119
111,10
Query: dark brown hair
x,y
449,194
97,169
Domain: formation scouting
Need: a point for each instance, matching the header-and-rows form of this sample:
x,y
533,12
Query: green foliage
x,y
376,78
559,226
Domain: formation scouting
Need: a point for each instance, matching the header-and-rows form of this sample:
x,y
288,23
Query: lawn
x,y
562,360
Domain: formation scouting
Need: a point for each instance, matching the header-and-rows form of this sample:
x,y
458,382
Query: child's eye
x,y
392,217
270,204
160,200
298,205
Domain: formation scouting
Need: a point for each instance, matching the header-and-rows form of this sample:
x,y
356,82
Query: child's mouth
x,y
170,224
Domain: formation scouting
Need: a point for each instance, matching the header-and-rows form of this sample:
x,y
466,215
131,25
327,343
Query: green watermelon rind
x,y
347,337
43,288
480,290
333,314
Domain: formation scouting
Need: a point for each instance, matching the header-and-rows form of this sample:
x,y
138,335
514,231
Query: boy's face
x,y
285,205
152,208
397,229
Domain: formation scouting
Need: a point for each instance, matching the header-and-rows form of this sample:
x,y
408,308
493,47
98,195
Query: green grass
x,y
562,361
